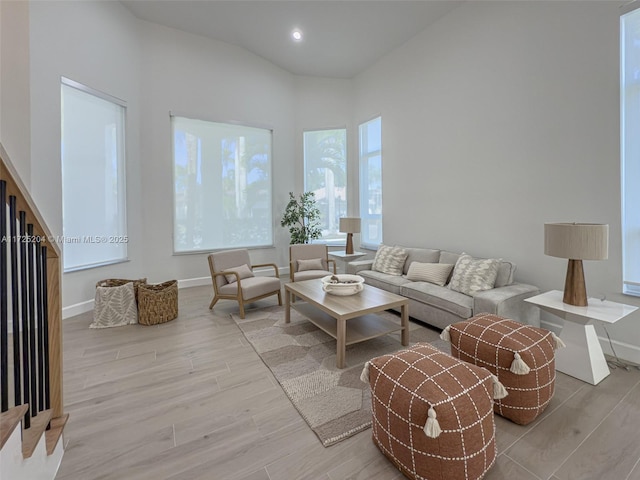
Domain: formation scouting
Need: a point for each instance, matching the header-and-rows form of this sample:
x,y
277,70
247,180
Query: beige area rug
x,y
334,402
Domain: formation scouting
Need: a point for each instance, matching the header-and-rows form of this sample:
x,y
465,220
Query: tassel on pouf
x,y
558,341
518,366
432,427
499,391
445,334
364,376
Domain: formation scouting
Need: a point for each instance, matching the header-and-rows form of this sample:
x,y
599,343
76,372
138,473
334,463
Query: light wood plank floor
x,y
191,399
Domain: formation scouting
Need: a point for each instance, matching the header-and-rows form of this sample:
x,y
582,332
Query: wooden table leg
x,y
287,306
404,310
341,342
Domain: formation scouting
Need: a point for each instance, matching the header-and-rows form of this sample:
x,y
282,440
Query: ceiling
x,y
341,38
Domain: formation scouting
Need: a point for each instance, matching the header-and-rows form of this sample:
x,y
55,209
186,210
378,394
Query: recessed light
x,y
296,35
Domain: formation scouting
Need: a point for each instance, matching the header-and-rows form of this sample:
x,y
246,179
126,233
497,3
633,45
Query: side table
x,y
583,357
346,257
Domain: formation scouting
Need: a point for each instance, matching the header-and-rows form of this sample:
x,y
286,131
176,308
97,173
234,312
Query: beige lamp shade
x,y
350,225
578,241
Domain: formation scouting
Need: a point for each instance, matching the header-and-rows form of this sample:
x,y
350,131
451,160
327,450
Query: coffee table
x,y
349,319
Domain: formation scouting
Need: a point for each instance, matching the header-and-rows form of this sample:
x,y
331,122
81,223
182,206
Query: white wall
x,y
15,114
155,70
97,44
326,103
498,118
202,78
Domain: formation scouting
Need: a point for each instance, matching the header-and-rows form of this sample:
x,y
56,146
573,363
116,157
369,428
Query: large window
x,y
93,178
371,182
630,147
325,174
222,186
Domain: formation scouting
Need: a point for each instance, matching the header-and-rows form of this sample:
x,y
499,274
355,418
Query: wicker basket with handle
x,y
157,303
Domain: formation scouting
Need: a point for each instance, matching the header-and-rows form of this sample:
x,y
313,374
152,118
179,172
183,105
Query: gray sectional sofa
x,y
441,306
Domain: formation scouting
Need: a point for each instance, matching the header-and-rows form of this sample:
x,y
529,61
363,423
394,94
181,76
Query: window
x,y
325,174
94,221
222,186
630,147
371,182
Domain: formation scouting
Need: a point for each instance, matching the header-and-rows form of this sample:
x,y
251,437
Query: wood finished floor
x,y
191,399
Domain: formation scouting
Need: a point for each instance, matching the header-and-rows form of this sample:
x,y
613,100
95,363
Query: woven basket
x,y
157,303
118,282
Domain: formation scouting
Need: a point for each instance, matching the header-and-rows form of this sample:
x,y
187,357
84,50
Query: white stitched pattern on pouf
x,y
521,356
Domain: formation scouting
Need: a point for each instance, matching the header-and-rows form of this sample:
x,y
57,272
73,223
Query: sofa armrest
x,y
509,302
359,265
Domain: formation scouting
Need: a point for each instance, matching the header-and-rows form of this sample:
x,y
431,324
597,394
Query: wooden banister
x,y
24,202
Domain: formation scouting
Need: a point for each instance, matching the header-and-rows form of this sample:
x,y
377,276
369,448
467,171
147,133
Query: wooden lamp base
x,y
575,291
349,248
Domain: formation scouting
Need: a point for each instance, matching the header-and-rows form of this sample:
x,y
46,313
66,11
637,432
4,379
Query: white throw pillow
x,y
473,275
115,307
389,260
437,273
311,264
243,272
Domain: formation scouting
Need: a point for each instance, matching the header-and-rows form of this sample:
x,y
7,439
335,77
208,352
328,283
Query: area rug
x,y
334,402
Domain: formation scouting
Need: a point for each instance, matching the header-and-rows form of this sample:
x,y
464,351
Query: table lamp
x,y
577,242
349,225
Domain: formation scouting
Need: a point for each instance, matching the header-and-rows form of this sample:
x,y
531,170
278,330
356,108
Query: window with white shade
x,y
325,174
370,139
222,186
93,177
630,146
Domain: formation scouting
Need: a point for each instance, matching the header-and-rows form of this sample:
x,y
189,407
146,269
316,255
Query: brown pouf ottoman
x,y
521,356
432,413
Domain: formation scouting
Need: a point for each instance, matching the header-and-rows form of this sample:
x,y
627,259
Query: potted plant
x,y
302,216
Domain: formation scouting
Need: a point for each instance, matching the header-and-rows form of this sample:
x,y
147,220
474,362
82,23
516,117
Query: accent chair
x,y
233,279
308,261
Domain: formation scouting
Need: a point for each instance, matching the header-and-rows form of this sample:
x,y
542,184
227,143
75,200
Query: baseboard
x,y
87,306
82,307
194,282
77,309
625,351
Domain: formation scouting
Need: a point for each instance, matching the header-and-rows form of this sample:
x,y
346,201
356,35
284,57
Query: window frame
x,y
337,238
229,123
121,237
629,167
363,167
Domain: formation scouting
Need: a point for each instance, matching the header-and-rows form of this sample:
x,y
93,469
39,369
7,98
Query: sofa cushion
x,y
439,297
310,264
506,271
390,283
389,260
423,255
472,275
243,272
449,257
437,273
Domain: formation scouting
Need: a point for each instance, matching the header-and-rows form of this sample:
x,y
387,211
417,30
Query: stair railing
x,y
30,303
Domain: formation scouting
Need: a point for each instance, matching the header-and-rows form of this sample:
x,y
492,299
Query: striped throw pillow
x,y
389,260
437,273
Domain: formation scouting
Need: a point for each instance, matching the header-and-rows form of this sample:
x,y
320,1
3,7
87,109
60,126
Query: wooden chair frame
x,y
239,296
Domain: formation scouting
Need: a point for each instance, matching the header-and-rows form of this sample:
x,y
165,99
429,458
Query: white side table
x,y
583,357
346,257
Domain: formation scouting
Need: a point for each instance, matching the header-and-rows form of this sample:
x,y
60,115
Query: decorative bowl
x,y
342,284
